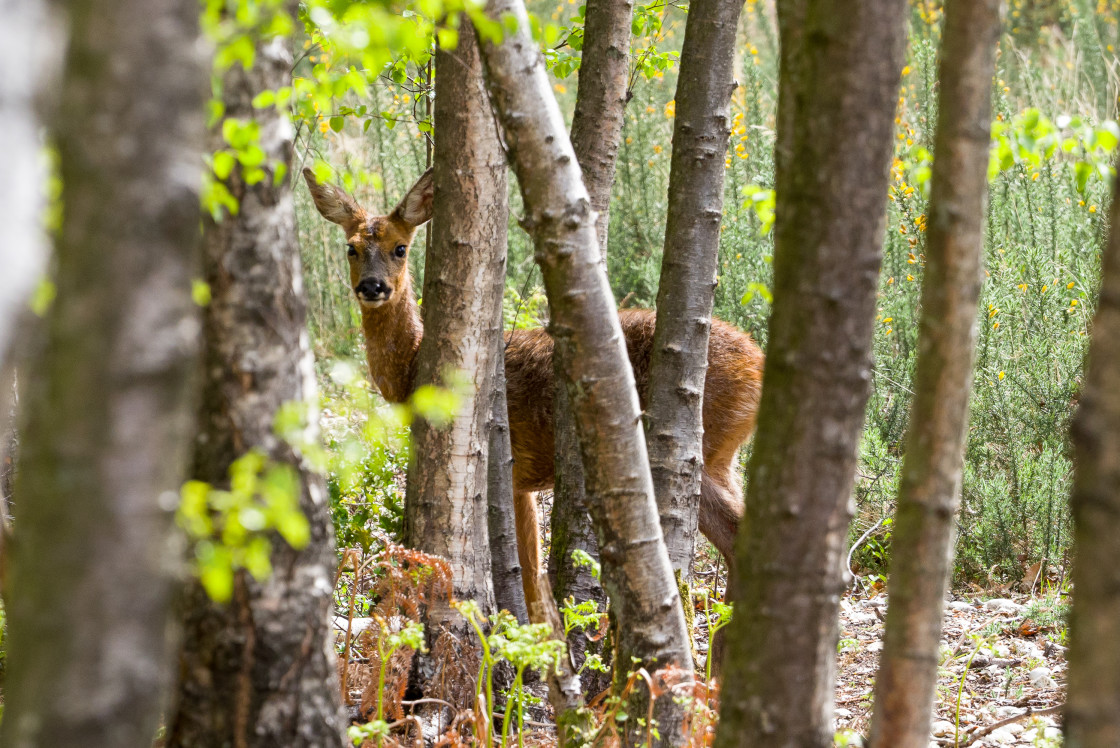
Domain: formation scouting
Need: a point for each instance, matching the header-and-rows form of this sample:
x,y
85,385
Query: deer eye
x,y
351,250
401,250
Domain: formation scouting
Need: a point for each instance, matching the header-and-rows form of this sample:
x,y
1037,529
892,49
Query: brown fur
x,y
393,331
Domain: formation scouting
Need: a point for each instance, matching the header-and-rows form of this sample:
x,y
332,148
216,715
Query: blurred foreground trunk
x,y
838,86
110,398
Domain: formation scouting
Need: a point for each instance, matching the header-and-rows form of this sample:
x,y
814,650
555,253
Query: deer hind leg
x,y
527,521
721,510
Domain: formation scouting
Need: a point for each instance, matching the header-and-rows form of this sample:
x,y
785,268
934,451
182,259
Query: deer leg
x,y
721,510
527,521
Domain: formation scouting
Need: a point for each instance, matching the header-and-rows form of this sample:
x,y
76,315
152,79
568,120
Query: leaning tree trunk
x,y
1092,713
929,493
679,359
840,71
596,135
260,669
27,49
109,398
596,371
445,507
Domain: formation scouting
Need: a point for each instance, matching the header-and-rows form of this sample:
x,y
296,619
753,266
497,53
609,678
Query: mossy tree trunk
x,y
110,393
259,670
839,74
929,493
596,370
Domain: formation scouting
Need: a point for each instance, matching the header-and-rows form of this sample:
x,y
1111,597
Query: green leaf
x,y
224,161
337,123
200,292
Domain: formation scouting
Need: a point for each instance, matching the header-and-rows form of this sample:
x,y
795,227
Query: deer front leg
x,y
533,579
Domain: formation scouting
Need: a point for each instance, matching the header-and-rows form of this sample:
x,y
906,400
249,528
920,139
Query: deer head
x,y
376,246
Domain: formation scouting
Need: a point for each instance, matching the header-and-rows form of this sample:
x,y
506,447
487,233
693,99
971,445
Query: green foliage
x,y
229,528
528,646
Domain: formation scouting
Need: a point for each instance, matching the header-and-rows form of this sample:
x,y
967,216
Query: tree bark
x,y
505,568
679,359
259,670
839,77
597,375
109,398
445,506
929,494
1092,713
596,135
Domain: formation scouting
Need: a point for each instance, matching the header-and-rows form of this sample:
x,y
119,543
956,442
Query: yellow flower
x,y
657,149
1092,209
995,325
1072,303
629,140
1000,375
560,88
906,70
888,319
1022,286
890,280
1069,285
650,109
889,330
1045,288
909,277
671,109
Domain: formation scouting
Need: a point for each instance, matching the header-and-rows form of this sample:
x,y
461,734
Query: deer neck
x,y
393,332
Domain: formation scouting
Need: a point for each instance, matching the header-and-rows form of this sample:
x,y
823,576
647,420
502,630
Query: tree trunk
x,y
446,505
505,568
259,670
840,71
596,135
679,359
597,375
109,398
929,494
1092,714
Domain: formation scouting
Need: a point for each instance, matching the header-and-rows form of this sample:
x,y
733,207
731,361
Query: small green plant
x,y
529,646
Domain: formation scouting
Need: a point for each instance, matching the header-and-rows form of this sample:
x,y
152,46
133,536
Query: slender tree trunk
x,y
679,359
446,505
505,567
840,71
596,136
597,375
259,670
109,399
1093,705
929,494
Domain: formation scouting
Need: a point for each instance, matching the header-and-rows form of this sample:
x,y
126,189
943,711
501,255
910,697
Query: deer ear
x,y
333,204
416,207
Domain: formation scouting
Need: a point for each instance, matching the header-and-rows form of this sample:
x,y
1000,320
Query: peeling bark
x,y
596,372
839,77
929,493
259,670
445,507
685,292
109,398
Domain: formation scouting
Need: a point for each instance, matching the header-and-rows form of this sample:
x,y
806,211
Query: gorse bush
x,y
1054,95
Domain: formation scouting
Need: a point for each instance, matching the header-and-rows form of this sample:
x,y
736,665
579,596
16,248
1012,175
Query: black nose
x,y
372,289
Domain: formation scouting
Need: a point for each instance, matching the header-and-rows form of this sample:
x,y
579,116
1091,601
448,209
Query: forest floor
x,y
1007,650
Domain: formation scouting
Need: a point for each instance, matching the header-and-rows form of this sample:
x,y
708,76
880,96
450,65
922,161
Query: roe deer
x,y
378,247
